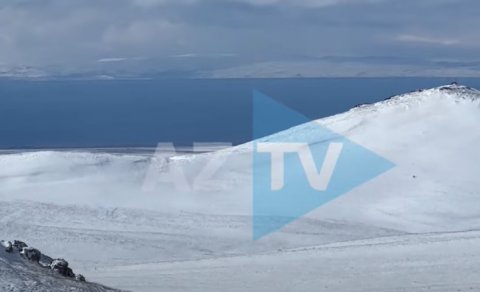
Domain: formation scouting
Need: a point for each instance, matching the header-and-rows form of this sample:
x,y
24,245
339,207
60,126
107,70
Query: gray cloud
x,y
109,60
217,35
408,38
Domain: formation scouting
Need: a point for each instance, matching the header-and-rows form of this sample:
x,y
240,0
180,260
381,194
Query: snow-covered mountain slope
x,y
129,237
432,137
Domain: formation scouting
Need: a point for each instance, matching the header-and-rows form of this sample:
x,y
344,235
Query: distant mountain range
x,y
308,68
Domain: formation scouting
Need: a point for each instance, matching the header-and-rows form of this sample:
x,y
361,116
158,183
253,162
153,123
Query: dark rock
x,y
31,254
80,278
45,261
19,245
59,263
7,245
61,267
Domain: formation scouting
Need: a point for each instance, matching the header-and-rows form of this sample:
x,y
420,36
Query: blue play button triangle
x,y
297,171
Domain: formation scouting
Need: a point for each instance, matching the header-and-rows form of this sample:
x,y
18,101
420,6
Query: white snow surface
x,y
414,228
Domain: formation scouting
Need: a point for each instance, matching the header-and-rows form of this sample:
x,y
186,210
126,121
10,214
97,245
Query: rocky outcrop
x,y
34,255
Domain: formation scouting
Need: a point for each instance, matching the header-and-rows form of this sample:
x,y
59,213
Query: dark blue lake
x,y
76,114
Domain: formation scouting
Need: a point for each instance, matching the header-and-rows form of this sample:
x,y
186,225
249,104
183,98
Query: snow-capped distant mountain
x,y
22,73
326,68
411,229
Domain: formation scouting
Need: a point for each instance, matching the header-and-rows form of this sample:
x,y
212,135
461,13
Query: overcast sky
x,y
235,35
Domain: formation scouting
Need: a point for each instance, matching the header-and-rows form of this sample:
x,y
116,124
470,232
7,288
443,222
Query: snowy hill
x,y
411,229
432,137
